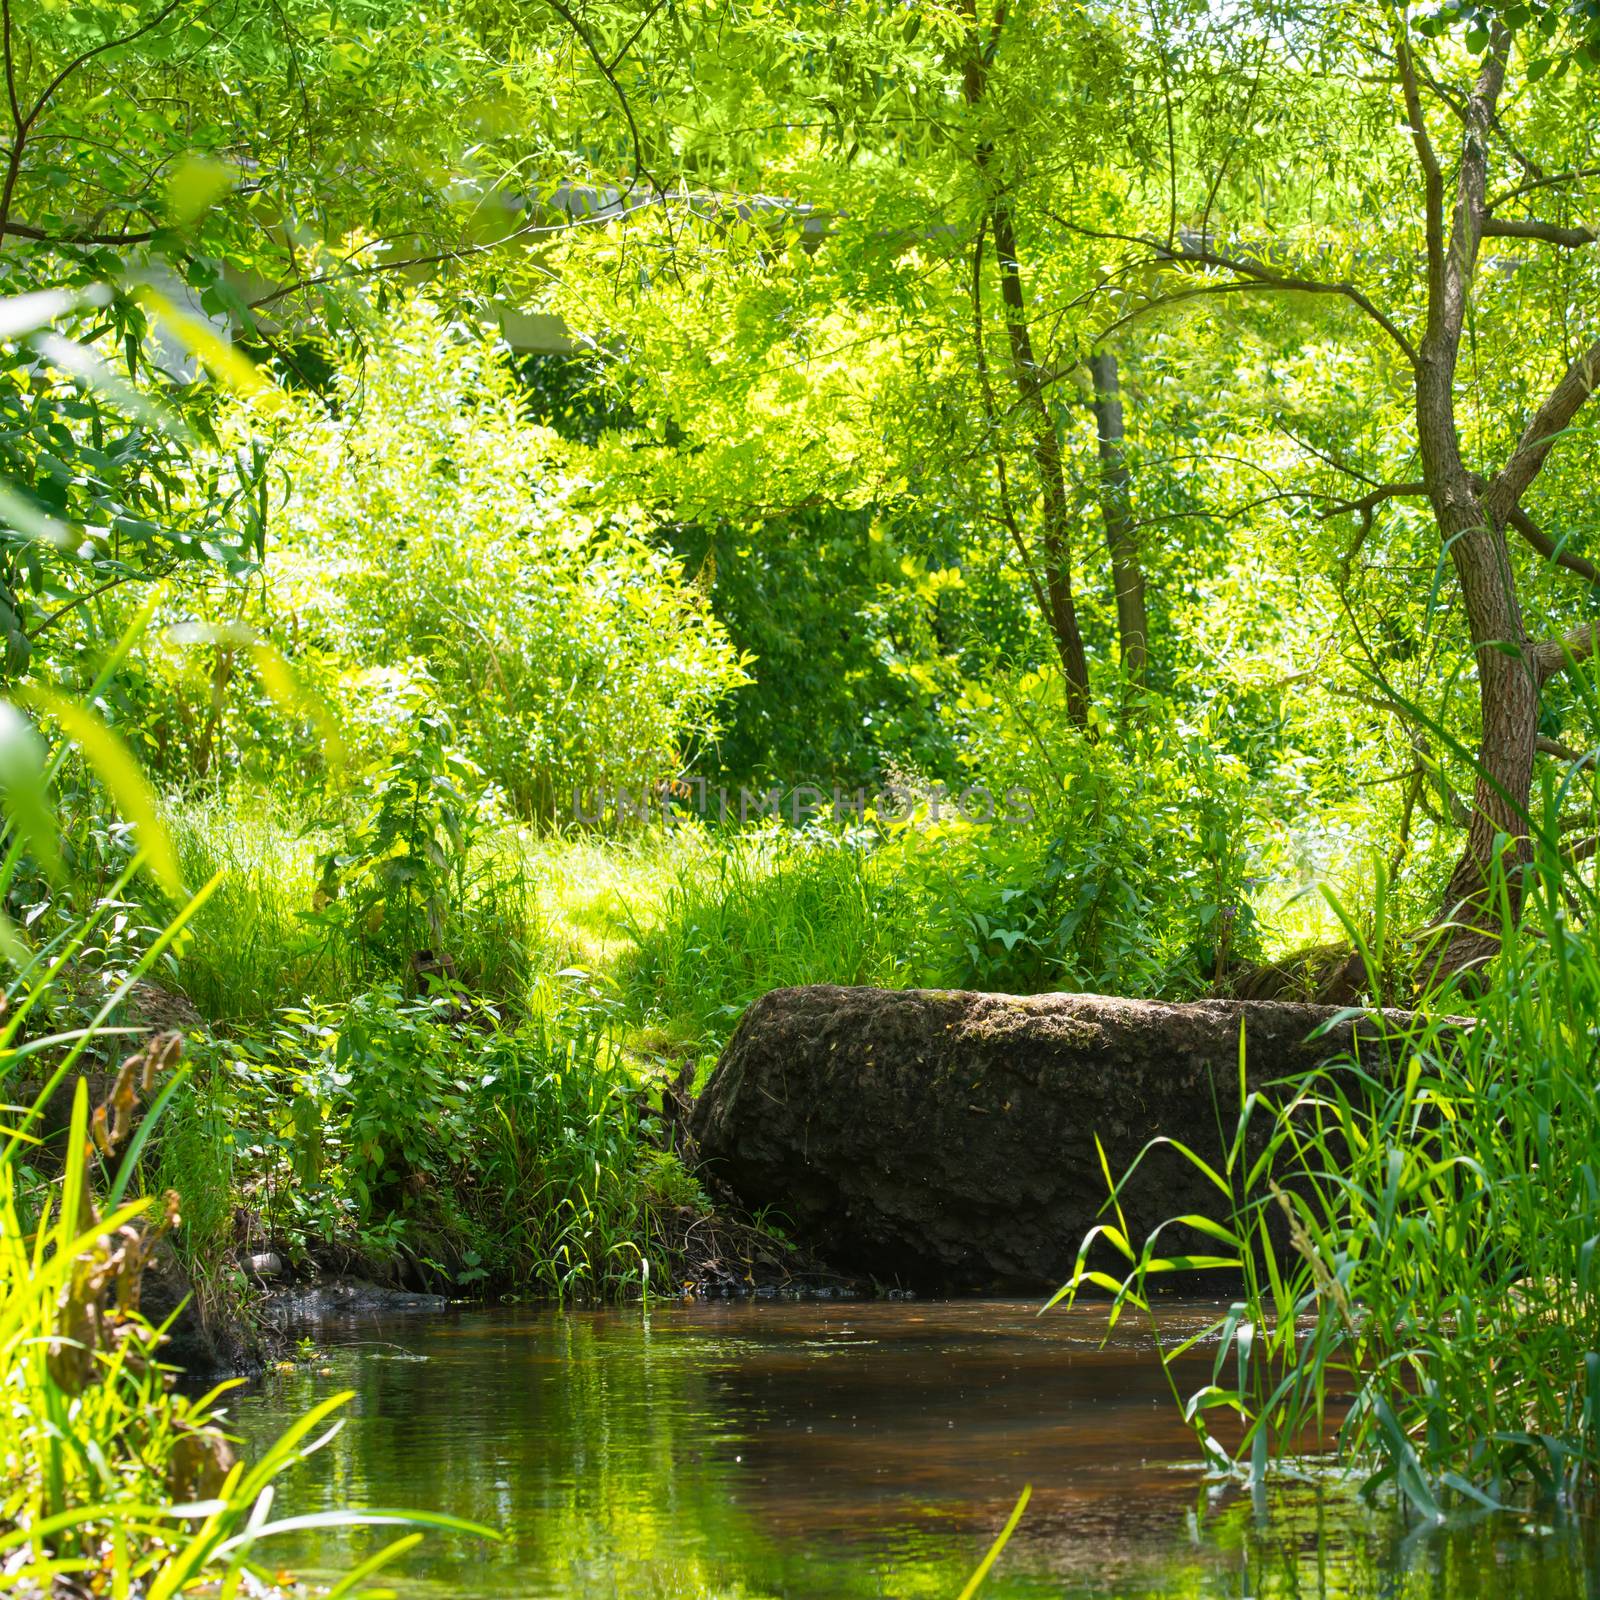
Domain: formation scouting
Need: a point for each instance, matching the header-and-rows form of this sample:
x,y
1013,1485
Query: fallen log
x,y
946,1140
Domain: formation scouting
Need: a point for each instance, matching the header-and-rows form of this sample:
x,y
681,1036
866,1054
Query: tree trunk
x,y
1508,689
1056,531
1508,674
1061,613
1116,511
1508,699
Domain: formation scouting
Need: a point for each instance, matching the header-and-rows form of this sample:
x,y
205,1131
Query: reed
x,y
1439,1297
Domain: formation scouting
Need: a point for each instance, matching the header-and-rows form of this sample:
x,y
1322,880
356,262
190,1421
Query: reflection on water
x,y
828,1452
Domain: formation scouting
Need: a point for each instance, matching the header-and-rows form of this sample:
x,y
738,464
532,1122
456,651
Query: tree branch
x,y
1549,423
49,621
628,43
1545,232
1282,280
24,124
22,230
89,55
1572,647
1577,175
11,65
1549,549
1007,514
345,272
1254,275
1467,219
1432,177
1554,747
639,168
1370,501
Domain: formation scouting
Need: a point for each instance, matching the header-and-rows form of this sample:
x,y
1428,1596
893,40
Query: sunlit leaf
x,y
119,772
227,365
196,185
94,374
26,518
25,789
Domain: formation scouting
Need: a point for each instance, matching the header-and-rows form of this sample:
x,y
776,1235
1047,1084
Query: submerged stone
x,y
946,1140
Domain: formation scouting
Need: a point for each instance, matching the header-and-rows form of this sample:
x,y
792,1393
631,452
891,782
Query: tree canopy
x,y
1184,355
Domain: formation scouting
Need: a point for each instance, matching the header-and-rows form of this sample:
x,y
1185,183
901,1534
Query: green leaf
x,y
975,1582
230,368
119,772
196,185
32,521
25,787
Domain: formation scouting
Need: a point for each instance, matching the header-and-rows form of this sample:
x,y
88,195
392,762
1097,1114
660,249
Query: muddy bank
x,y
720,1254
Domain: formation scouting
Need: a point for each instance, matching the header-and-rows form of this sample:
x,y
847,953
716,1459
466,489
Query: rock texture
x,y
218,1340
947,1140
341,1299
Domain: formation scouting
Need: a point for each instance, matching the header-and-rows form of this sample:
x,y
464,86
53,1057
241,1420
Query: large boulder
x,y
940,1139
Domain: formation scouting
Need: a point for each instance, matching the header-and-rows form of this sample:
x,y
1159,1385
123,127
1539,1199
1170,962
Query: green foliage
x,y
111,1477
101,484
1086,869
423,1127
257,943
1129,866
849,626
765,911
429,549
282,926
404,865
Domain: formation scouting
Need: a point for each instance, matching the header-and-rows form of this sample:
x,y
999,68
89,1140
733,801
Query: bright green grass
x,y
676,930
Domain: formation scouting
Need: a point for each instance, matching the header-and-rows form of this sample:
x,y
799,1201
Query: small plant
x,y
403,870
512,1154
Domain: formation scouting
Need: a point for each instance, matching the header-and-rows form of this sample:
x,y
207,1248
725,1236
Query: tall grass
x,y
113,1482
1417,1231
684,927
272,935
254,944
760,911
561,1182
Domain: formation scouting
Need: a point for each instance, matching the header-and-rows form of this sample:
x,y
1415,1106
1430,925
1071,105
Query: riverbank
x,y
502,1111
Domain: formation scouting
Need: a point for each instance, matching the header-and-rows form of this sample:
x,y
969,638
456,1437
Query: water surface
x,y
830,1451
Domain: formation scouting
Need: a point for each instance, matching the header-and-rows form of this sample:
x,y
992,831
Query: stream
x,y
829,1451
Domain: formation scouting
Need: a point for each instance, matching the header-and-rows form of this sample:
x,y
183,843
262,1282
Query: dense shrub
x,y
1106,867
427,1131
431,526
1133,868
850,638
428,548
